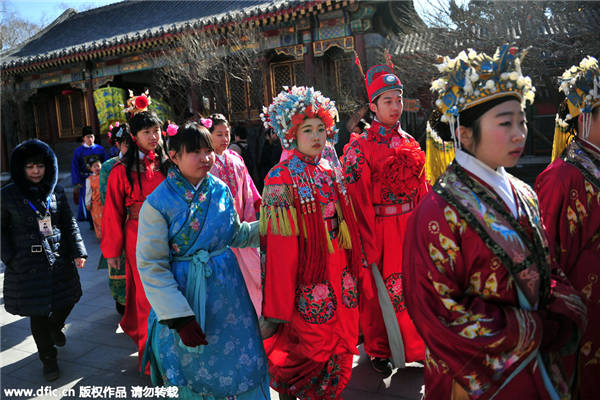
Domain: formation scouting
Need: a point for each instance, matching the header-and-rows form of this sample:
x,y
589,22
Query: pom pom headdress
x,y
472,79
137,104
292,106
581,86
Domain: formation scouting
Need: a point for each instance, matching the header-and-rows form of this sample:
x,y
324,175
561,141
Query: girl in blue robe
x,y
203,334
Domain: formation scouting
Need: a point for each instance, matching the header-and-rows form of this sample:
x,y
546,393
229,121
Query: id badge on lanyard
x,y
45,226
44,221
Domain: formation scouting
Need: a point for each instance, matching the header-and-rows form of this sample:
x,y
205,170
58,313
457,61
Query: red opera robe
x,y
310,355
384,174
120,225
471,269
569,192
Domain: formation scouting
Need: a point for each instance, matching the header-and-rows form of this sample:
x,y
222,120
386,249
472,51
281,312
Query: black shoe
x,y
58,337
120,308
51,372
382,365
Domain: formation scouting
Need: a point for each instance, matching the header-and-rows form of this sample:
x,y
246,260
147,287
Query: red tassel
x,y
388,60
357,62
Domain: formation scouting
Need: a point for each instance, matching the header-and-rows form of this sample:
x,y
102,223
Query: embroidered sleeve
x,y
152,254
469,334
354,160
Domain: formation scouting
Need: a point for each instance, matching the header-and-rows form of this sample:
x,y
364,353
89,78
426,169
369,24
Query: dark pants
x,y
41,328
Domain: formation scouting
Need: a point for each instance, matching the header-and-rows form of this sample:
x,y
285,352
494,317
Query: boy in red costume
x,y
384,168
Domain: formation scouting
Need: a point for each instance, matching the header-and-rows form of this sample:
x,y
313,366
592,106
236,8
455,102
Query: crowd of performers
x,y
441,258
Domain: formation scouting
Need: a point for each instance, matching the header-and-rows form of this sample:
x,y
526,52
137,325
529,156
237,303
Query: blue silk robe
x,y
187,268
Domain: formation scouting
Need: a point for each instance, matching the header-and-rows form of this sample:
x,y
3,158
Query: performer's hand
x,y
191,334
113,263
79,262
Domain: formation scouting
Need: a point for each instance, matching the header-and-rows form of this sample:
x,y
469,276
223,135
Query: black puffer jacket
x,y
40,272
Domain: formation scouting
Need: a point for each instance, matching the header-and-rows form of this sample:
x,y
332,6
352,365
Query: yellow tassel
x,y
438,155
284,223
295,219
344,236
329,245
303,226
273,217
561,141
264,220
344,240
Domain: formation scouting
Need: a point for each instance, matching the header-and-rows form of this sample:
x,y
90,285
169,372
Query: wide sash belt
x,y
389,210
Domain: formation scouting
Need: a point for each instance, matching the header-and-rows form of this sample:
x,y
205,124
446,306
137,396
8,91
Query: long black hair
x,y
131,159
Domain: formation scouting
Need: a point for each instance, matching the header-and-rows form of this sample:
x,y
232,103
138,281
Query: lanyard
x,y
40,216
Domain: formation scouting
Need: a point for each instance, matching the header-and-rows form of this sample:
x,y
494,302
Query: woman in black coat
x,y
41,248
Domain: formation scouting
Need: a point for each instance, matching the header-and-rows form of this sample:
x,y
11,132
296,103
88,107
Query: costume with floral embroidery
x,y
116,276
384,171
188,269
569,192
312,257
232,170
120,218
481,289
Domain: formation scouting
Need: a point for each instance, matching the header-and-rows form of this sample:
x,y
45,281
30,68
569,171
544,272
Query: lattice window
x,y
70,114
281,75
257,98
288,73
237,94
300,74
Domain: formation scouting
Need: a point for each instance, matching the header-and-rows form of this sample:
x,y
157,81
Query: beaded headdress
x,y
292,106
581,86
468,80
137,104
473,78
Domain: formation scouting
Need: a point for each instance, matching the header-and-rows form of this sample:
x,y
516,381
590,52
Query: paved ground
x,y
98,356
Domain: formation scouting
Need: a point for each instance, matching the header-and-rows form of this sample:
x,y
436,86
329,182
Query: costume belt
x,y
133,211
195,288
389,210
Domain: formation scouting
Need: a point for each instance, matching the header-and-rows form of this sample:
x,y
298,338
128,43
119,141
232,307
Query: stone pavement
x,y
98,354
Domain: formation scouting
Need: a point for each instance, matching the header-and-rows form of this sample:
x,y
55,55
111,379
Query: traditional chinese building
x,y
49,81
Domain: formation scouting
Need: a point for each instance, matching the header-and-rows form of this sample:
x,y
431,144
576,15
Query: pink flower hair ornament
x,y
111,127
206,122
172,129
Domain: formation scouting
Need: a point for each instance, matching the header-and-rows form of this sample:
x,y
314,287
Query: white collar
x,y
221,157
196,187
141,154
497,179
121,155
85,145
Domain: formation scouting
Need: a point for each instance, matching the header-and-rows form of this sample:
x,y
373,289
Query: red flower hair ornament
x,y
294,105
137,104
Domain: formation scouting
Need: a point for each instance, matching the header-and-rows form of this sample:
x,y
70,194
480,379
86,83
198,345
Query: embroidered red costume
x,y
383,168
569,192
120,218
310,281
481,288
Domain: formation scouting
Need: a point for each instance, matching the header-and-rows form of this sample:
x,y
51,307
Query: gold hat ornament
x,y
581,86
468,80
